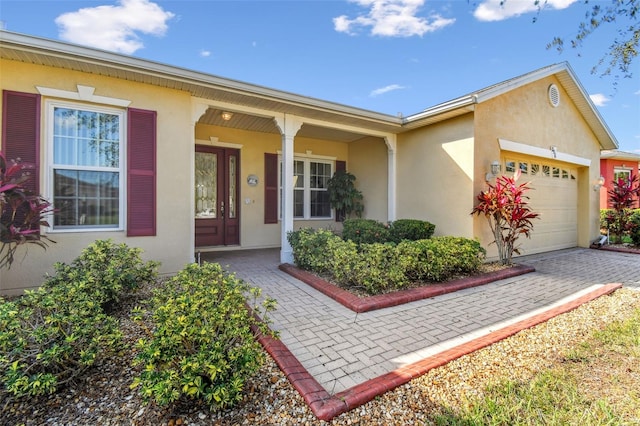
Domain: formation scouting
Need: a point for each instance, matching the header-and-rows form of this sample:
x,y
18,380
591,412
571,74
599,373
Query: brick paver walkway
x,y
342,349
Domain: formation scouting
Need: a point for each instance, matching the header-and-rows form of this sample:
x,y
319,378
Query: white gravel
x,y
103,396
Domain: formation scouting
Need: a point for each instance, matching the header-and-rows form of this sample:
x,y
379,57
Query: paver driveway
x,y
340,348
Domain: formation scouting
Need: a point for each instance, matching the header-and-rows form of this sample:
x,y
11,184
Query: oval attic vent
x,y
554,95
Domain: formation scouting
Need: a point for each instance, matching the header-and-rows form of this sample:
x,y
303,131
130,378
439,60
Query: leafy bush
x,y
108,269
310,248
410,229
378,268
607,217
202,345
448,256
365,231
634,232
51,336
381,267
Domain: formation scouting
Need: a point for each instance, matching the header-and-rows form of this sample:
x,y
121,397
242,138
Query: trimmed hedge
x,y
370,231
202,345
365,231
410,229
382,267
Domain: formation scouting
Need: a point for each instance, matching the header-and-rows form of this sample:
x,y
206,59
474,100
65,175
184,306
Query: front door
x,y
216,194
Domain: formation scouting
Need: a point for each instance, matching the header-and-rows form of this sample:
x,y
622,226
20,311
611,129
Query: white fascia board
x,y
521,148
69,51
451,105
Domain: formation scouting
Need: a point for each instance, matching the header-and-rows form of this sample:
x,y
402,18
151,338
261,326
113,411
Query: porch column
x,y
197,110
391,141
289,126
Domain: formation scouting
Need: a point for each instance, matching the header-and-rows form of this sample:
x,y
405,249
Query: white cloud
x,y
386,89
498,10
599,99
391,18
637,93
205,53
114,28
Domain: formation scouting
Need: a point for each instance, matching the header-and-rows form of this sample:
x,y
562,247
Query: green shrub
x,y
365,231
343,261
310,248
448,256
378,268
202,345
607,218
109,269
51,336
410,229
634,231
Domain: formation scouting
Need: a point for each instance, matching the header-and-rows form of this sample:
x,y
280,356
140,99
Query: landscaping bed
x,y
103,396
359,301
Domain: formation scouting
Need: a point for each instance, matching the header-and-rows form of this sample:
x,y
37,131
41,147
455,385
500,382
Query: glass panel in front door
x,y
206,185
232,186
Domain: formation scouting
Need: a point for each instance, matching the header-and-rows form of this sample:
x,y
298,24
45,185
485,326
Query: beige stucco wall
x,y
526,116
254,233
171,246
368,163
435,176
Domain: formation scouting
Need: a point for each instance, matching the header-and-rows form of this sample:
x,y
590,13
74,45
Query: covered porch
x,y
271,192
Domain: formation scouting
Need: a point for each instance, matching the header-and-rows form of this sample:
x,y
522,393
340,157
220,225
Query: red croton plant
x,y
623,196
21,213
505,207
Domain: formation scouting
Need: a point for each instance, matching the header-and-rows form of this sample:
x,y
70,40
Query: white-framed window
x,y
620,173
310,190
86,166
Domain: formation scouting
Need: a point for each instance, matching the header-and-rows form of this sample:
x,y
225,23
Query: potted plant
x,y
343,195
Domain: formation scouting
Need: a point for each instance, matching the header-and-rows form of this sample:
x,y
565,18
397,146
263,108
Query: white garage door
x,y
554,195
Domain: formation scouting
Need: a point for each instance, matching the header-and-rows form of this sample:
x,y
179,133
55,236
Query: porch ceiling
x,y
213,116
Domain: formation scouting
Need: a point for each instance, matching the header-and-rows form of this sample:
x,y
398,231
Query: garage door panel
x,y
555,197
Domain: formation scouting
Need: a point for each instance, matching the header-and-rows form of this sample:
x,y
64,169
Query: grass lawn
x,y
596,383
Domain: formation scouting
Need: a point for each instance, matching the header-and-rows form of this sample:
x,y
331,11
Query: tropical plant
x,y
343,195
634,225
508,213
21,212
623,196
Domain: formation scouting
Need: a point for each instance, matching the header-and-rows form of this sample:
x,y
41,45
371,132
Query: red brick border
x,y
366,304
326,406
631,250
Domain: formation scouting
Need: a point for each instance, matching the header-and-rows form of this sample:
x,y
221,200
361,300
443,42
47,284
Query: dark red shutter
x,y
21,132
141,173
270,188
21,142
341,166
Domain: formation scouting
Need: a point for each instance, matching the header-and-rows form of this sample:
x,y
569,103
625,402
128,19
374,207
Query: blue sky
x,y
390,56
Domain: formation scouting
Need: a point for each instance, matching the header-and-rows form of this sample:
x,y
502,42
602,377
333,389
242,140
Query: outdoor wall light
x,y
495,170
598,184
226,115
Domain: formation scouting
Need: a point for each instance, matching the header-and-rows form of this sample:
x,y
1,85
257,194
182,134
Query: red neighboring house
x,y
615,164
